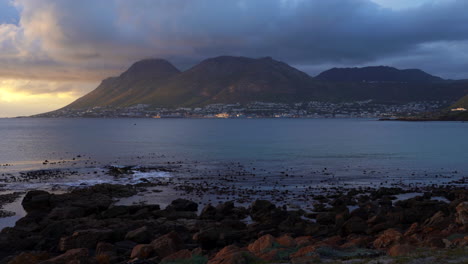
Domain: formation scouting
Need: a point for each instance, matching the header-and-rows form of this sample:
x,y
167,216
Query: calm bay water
x,y
25,143
355,152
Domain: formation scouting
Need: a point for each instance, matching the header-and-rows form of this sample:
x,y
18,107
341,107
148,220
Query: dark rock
x,y
104,248
326,218
167,244
29,258
84,239
78,255
141,235
354,225
37,201
60,213
233,255
260,208
462,215
182,205
142,251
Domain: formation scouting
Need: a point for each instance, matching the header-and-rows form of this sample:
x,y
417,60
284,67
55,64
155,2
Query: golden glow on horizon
x,y
17,90
27,97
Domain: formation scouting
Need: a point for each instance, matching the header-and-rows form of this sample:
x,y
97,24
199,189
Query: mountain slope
x,y
228,79
233,79
132,86
377,74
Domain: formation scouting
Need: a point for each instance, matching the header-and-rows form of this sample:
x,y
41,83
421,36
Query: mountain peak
x,y
150,68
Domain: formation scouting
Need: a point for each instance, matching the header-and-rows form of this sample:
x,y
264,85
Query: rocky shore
x,y
86,226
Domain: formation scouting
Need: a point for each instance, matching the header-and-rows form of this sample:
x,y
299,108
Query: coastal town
x,y
312,109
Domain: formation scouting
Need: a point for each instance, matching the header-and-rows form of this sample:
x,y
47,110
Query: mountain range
x,y
228,79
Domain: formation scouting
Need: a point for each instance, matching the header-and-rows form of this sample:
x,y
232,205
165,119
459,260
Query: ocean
x,y
264,157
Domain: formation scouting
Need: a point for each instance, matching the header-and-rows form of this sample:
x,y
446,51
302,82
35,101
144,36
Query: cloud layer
x,y
87,40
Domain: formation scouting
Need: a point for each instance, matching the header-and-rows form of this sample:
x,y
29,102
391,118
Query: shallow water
x,y
266,155
25,143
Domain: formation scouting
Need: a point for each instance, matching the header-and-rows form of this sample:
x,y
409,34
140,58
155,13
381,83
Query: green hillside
x,y
228,79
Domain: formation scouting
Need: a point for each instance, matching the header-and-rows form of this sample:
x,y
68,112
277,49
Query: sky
x,y
54,51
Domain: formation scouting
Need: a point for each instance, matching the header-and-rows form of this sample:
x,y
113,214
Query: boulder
x,y
140,235
304,241
261,210
142,251
182,205
71,256
355,225
233,255
60,213
178,256
116,211
104,248
262,244
286,241
462,215
209,212
437,222
388,238
29,258
37,201
401,250
305,255
84,239
207,237
167,244
326,218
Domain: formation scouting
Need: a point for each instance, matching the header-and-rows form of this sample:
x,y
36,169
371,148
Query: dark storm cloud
x,y
93,38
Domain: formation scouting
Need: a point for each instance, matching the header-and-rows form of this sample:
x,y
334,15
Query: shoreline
x,y
88,224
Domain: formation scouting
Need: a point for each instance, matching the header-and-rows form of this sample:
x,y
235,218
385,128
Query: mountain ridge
x,y
229,79
377,74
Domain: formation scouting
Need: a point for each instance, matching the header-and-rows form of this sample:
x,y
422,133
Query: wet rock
x,y
355,225
84,239
262,244
286,241
140,235
232,255
105,248
304,241
29,258
419,209
357,242
225,208
462,215
326,218
37,201
401,250
182,205
180,255
174,215
388,238
77,255
124,247
167,244
437,222
207,237
142,251
209,212
306,254
116,211
260,210
60,213
434,242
